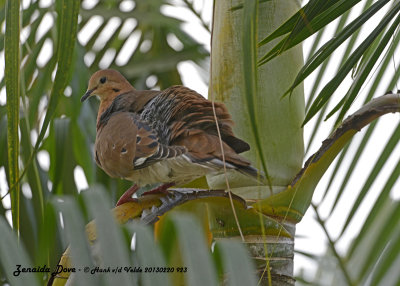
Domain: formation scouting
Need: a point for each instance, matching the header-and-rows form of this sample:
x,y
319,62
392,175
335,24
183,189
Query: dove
x,y
169,136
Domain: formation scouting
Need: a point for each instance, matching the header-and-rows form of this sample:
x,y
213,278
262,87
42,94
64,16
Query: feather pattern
x,y
162,136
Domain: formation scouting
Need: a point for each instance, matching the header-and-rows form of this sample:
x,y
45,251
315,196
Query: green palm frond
x,y
366,260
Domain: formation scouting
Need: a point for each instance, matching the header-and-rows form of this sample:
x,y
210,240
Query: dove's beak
x,y
87,94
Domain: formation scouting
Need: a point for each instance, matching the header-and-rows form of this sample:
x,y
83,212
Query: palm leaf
x,y
12,81
361,261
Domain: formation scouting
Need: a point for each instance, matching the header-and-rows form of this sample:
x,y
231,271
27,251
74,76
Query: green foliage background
x,y
43,100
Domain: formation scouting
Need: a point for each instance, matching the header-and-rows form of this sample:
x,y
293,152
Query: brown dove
x,y
168,136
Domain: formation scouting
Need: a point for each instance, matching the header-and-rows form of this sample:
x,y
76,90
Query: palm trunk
x,y
279,120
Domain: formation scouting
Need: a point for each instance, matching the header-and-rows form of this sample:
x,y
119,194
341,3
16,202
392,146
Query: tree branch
x,y
388,103
176,197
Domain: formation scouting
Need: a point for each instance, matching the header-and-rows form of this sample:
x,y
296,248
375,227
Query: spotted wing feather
x,y
187,119
125,143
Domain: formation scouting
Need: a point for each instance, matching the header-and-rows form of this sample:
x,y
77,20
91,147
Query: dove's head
x,y
107,84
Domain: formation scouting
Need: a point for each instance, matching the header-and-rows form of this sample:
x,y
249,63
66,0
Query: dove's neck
x,y
134,99
105,102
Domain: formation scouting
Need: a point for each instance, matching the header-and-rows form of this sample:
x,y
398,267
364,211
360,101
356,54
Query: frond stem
x,y
331,242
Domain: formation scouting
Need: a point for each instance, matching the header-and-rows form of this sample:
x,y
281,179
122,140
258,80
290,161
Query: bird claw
x,y
127,196
146,212
163,189
164,200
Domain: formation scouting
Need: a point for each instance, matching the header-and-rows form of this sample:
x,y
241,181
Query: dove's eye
x,y
103,79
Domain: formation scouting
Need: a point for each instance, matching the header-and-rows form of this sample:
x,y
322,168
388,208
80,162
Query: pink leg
x,y
161,189
127,196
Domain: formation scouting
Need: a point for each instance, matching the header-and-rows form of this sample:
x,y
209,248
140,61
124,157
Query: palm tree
x,y
255,60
